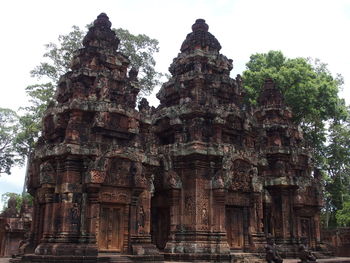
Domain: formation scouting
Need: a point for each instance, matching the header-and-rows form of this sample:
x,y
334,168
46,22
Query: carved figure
x,y
217,181
305,254
47,173
172,180
133,74
144,105
272,255
141,220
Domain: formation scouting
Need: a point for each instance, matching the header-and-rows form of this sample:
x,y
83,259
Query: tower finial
x,y
200,25
102,21
200,38
101,35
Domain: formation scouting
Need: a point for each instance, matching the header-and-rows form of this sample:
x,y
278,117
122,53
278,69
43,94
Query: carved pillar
x,y
282,212
217,138
140,217
317,228
256,233
48,225
174,203
253,212
74,127
34,228
92,210
218,215
218,220
133,212
246,222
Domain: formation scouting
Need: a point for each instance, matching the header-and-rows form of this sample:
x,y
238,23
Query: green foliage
x,y
57,60
19,199
309,89
58,56
343,215
312,93
337,159
8,128
41,96
140,50
6,196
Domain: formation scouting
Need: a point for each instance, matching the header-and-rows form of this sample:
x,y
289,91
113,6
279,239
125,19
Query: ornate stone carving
x,y
193,172
47,173
305,254
172,180
272,254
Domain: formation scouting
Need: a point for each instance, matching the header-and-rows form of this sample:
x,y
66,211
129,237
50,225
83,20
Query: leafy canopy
x,y
308,87
343,215
8,128
19,199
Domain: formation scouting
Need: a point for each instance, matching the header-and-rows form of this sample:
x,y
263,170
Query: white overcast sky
x,y
299,28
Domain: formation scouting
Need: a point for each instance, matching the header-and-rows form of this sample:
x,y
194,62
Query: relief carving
x,y
240,176
172,180
47,173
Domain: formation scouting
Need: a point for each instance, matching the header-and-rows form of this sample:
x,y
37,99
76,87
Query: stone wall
x,y
338,240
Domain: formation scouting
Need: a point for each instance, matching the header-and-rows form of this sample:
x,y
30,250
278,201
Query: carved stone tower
x,y
293,196
202,130
201,178
88,172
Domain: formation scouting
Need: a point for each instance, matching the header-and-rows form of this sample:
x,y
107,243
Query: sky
x,y
299,28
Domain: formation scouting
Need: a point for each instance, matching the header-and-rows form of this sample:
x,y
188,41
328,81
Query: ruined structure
x,y
201,177
337,241
14,227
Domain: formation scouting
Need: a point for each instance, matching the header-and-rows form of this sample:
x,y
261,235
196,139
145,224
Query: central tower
x,y
197,124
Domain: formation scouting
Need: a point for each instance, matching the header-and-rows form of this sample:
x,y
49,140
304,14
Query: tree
x,y
8,127
343,215
309,89
337,183
312,93
139,48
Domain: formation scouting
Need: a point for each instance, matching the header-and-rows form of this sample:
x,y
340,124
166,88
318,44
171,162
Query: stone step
x,y
113,258
326,260
119,259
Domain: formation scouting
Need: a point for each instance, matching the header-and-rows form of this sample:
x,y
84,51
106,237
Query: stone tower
x,y
88,172
293,195
208,157
202,177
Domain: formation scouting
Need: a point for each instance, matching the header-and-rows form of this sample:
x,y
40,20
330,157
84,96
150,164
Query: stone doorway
x,y
305,229
111,234
235,227
160,226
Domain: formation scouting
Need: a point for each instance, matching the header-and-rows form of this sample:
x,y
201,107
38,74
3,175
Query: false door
x,y
234,227
305,229
111,228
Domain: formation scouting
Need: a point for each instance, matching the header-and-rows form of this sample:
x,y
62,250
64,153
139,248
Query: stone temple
x,y
199,178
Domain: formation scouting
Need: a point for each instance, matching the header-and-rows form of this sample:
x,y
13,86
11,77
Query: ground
x,y
333,260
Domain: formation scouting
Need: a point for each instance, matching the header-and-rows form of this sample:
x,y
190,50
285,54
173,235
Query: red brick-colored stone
x,y
201,177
